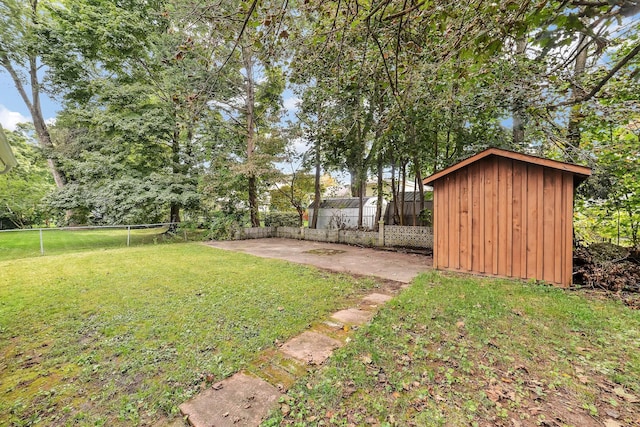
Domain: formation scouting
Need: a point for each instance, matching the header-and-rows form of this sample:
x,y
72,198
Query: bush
x,y
224,226
281,219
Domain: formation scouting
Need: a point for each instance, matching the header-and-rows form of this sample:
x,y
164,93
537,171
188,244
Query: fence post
x,y
381,232
302,233
128,235
41,243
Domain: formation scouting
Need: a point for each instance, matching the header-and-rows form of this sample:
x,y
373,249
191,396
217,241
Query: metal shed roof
x,y
345,203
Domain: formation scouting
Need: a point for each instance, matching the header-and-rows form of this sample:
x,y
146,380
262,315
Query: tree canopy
x,y
174,107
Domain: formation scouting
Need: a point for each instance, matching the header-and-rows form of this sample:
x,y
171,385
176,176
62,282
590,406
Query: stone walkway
x,y
245,398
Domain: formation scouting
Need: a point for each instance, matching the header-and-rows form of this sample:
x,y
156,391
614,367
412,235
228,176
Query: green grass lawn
x,y
26,243
121,337
460,351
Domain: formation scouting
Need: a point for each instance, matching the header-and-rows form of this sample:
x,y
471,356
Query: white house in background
x,y
343,213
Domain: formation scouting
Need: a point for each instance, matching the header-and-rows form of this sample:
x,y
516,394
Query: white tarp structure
x,y
343,213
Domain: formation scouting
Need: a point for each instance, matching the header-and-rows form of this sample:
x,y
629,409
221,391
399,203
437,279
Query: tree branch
x,y
6,63
237,42
594,91
578,3
403,12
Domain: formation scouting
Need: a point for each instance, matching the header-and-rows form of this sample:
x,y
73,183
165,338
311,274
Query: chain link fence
x,y
24,243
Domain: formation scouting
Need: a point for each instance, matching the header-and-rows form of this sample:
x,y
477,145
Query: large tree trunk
x,y
360,209
380,194
353,182
247,59
420,186
316,188
253,201
174,209
435,151
517,108
360,190
403,184
414,216
174,216
394,192
35,109
577,92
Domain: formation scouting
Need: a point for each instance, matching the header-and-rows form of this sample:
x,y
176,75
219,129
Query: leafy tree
x,y
21,56
24,187
131,144
612,196
295,194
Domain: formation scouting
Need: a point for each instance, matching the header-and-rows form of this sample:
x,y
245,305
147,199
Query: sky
x,y
12,108
14,111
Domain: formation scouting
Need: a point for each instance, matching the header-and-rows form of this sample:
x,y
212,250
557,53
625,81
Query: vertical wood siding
x,y
505,217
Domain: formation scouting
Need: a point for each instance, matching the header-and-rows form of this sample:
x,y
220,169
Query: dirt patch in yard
x,y
324,251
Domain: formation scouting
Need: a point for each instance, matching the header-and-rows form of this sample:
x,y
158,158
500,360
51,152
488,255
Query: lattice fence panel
x,y
289,232
316,235
356,237
257,232
320,235
408,236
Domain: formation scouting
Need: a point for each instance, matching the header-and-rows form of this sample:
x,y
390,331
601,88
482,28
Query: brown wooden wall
x,y
505,217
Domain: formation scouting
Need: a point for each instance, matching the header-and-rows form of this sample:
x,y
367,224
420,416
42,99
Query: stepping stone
x,y
376,298
333,325
310,347
240,400
352,316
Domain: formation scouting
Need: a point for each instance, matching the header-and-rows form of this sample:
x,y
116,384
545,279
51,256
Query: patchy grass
x,y
121,337
16,244
461,351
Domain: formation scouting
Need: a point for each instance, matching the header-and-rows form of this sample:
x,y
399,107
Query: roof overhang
x,y
7,159
580,172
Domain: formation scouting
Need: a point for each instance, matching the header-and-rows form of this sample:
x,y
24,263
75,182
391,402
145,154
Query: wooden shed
x,y
506,214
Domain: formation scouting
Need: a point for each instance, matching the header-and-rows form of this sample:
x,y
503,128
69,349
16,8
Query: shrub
x,y
224,226
281,219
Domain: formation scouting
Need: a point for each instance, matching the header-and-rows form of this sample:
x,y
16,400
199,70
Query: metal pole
x,y
128,235
41,243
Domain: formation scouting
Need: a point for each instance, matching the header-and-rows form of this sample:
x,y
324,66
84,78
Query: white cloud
x,y
300,145
9,119
291,104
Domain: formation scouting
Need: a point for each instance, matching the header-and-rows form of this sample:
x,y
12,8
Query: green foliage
x,y
128,138
426,215
295,194
173,105
24,187
282,219
609,203
225,225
